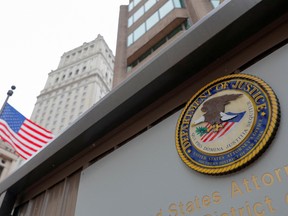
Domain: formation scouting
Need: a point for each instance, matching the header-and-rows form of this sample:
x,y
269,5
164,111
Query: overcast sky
x,y
35,34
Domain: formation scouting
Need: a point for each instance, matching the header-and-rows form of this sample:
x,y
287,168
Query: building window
x,y
149,4
136,2
178,3
215,3
181,27
130,21
130,39
165,9
152,20
139,32
130,6
133,4
138,14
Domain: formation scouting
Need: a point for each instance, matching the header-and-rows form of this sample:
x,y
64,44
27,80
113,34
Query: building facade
x,y
84,75
122,156
147,26
9,160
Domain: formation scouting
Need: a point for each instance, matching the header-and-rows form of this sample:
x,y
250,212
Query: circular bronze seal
x,y
227,124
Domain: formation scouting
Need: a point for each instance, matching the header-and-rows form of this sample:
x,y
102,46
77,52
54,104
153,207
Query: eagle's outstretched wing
x,y
215,106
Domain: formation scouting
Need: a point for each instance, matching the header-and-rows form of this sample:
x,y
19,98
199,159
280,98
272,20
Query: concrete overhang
x,y
213,36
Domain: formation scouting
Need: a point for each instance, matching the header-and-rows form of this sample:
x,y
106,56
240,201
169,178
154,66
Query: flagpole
x,y
9,93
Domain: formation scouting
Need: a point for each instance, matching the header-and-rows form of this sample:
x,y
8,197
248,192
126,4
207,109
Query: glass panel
x,y
178,3
138,13
149,4
130,39
152,20
130,21
136,2
215,3
165,9
139,31
131,5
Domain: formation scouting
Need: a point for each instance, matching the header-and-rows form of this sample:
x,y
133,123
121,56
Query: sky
x,y
35,34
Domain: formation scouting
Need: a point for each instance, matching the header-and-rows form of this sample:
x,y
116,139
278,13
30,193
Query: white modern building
x,y
84,75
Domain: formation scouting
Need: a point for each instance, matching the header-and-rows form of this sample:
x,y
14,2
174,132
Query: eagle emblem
x,y
224,125
218,122
214,110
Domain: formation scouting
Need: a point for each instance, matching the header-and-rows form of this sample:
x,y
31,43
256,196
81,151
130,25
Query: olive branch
x,y
201,131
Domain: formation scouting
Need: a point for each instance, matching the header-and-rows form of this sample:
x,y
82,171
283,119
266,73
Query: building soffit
x,y
213,36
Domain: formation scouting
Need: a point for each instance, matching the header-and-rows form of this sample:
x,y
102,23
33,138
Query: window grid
x,y
141,11
152,20
181,27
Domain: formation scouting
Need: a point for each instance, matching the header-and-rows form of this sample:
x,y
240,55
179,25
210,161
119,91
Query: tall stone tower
x,y
84,75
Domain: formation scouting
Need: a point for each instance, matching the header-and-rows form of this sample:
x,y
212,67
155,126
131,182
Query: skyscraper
x,y
146,26
84,75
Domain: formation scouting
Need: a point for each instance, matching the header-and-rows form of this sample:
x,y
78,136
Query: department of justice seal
x,y
227,124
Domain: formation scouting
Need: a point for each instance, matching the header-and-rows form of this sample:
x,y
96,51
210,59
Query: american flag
x,y
26,137
226,126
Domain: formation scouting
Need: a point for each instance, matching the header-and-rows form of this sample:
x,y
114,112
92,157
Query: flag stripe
x,y
208,136
16,138
29,140
225,129
43,130
213,135
9,133
26,137
37,130
32,135
218,134
208,126
15,147
20,149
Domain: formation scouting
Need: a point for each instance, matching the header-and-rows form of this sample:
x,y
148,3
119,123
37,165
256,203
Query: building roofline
x,y
193,50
